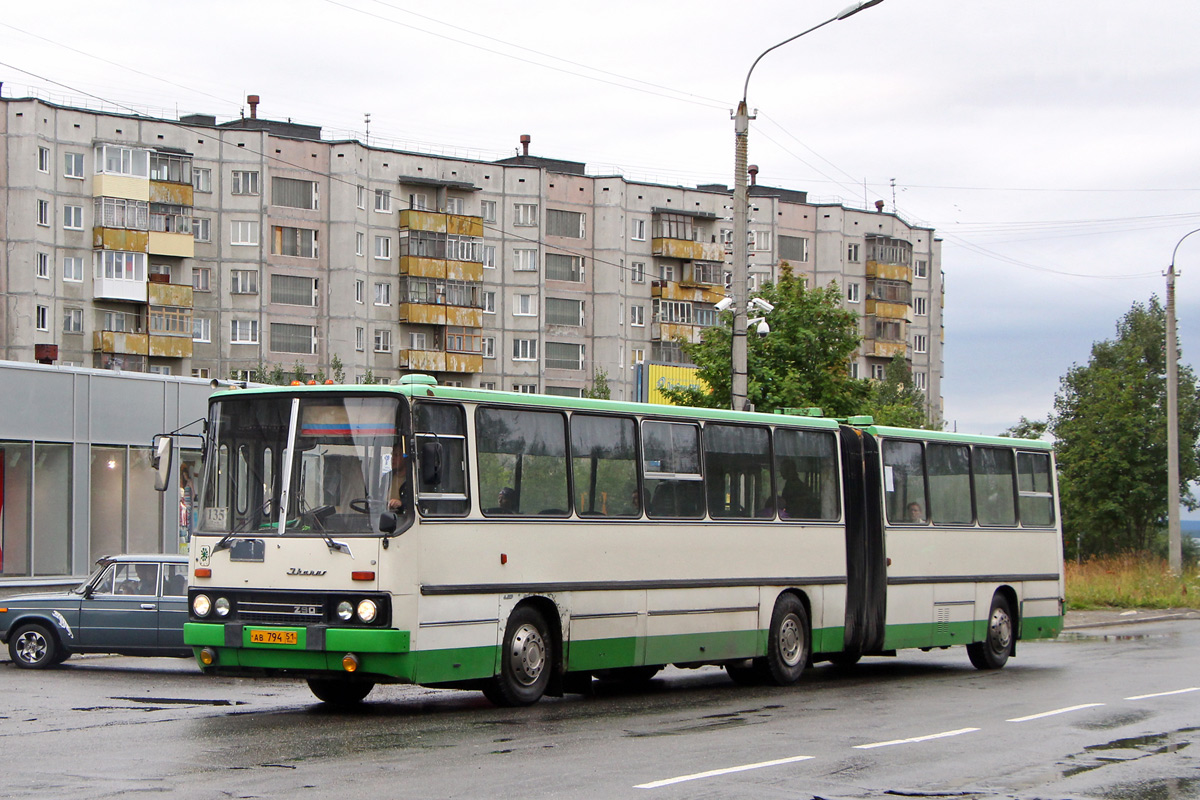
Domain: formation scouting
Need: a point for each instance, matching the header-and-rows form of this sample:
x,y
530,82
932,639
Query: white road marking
x,y
1055,711
958,732
1163,694
715,772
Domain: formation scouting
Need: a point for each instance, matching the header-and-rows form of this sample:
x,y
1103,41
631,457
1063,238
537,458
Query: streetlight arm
x,y
1181,241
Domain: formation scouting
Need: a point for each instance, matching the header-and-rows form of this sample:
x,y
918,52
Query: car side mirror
x,y
431,463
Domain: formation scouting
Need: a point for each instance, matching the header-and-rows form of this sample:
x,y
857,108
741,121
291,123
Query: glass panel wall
x,y
107,528
52,509
14,508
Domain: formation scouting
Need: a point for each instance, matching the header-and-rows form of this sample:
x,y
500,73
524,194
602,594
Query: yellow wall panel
x,y
176,194
121,186
180,245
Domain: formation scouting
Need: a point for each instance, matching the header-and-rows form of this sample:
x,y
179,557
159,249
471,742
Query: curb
x,y
1131,620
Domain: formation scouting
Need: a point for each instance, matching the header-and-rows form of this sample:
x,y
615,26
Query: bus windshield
x,y
345,460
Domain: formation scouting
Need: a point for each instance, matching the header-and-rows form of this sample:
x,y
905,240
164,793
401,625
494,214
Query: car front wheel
x,y
34,647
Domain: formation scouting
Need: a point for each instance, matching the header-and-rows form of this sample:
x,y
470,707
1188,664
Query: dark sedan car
x,y
131,605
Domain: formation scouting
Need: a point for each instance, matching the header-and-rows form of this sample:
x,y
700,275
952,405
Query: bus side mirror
x,y
431,463
160,462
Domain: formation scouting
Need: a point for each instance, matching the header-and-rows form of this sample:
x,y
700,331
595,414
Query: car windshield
x,y
100,567
348,464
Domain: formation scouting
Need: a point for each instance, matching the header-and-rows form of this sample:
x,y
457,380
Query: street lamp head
x,y
857,7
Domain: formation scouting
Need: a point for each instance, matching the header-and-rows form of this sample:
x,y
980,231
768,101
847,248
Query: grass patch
x,y
1133,580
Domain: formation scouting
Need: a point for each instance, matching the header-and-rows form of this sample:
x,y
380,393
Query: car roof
x,y
169,558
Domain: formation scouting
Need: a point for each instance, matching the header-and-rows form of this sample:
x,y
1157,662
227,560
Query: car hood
x,y
39,597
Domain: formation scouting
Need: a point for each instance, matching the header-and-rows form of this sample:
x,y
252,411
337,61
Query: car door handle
x,y
149,606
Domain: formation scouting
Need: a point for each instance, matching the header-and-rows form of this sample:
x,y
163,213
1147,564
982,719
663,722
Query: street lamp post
x,y
741,209
1174,540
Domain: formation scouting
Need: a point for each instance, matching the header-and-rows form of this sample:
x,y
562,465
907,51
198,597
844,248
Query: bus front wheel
x,y
526,661
993,652
339,692
787,643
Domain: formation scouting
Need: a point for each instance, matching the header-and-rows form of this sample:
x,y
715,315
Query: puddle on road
x,y
1161,789
181,701
1128,749
713,722
1075,636
1114,721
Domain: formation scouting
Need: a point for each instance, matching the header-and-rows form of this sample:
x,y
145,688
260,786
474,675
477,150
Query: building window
x,y
293,290
488,346
416,341
360,243
793,248
362,197
525,260
920,380
360,339
679,311
637,316
73,165
42,318
920,268
852,251
111,159
383,201
114,212
201,229
637,355
73,269
243,232
118,265
524,350
920,343
487,209
852,293
888,330
560,355
418,201
202,179
291,338
762,240
489,302
167,218
878,372
383,294
72,320
569,224
383,247
243,331
564,312
854,370
43,159
201,276
489,256
560,267
673,226
243,281
360,290
639,230
43,213
525,388
42,266
921,306
293,193
525,305
200,372
201,329
637,271
525,214
244,182
298,242
455,205
383,341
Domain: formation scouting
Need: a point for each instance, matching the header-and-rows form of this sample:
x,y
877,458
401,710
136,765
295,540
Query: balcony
x,y
121,342
120,239
687,250
436,222
886,310
687,292
673,331
438,314
423,267
439,361
886,349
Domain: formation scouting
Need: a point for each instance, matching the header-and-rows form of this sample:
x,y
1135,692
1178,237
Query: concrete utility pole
x,y
1174,539
741,214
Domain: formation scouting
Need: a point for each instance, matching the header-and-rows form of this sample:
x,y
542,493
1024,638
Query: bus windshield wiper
x,y
239,528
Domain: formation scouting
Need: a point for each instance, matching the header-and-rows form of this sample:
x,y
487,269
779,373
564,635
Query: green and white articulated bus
x,y
524,544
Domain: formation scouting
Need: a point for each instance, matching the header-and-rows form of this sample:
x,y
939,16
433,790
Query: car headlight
x,y
345,611
222,606
201,605
367,610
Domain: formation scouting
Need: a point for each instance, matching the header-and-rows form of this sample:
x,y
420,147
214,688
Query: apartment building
x,y
197,248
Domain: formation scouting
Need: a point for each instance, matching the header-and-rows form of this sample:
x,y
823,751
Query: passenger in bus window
x,y
797,501
914,513
507,500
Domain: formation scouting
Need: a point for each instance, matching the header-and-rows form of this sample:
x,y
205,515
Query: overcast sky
x,y
1053,145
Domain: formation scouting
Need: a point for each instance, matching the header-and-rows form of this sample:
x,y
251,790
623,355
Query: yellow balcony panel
x,y
422,221
180,245
423,313
169,294
171,346
670,331
463,317
689,251
464,362
121,186
424,360
121,239
120,342
463,225
889,349
423,267
891,272
886,310
175,194
464,270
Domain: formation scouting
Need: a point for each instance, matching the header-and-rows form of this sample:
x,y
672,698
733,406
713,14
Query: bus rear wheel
x,y
526,660
339,692
993,652
787,643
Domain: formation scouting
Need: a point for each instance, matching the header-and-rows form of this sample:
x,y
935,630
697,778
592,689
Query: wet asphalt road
x,y
1086,716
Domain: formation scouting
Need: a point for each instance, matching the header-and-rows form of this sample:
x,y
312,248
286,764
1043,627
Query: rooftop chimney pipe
x,y
253,101
879,206
525,144
753,170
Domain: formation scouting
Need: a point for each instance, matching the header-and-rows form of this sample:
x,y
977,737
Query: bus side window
x,y
1033,483
671,470
737,471
995,500
604,466
525,451
806,474
440,431
904,482
949,484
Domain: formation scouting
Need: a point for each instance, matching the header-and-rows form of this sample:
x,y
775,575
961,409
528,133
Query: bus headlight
x,y
222,606
345,611
367,610
201,605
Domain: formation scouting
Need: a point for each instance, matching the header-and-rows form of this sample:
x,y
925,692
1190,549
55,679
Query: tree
x,y
895,400
1027,429
1110,424
337,368
802,362
599,389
